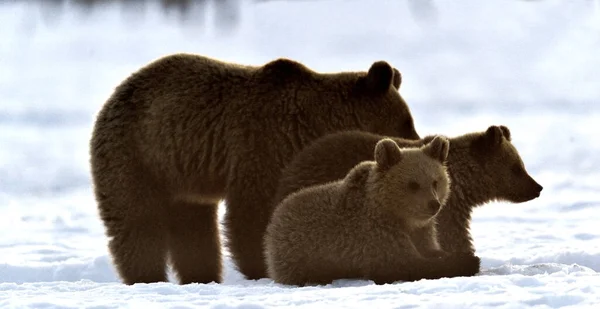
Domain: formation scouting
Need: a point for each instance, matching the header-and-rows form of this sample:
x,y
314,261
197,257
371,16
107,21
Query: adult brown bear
x,y
186,131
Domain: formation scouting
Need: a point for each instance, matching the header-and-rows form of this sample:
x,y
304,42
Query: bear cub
x,y
484,166
359,227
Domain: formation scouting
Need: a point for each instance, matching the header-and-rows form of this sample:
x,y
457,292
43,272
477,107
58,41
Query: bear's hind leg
x,y
137,243
246,219
194,243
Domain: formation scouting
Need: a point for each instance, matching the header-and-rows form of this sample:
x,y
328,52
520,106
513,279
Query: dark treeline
x,y
226,13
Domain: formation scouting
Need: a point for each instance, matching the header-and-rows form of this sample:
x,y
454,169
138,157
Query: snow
x,y
530,65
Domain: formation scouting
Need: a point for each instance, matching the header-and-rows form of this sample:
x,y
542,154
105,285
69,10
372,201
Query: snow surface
x,y
530,65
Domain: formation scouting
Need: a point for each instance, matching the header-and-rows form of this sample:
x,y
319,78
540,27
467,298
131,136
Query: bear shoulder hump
x,y
284,68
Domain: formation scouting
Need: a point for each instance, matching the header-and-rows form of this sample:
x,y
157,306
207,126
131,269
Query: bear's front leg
x,y
453,228
425,240
434,253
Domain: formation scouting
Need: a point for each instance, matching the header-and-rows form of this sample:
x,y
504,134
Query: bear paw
x,y
467,264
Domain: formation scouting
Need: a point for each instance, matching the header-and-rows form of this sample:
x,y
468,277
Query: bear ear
x,y
380,77
387,153
438,148
505,132
397,80
493,135
359,174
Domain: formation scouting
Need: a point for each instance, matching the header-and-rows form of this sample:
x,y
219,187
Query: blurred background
x,y
479,61
187,12
530,65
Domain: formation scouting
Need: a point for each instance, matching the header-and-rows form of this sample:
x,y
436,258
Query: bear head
x,y
411,183
379,105
501,168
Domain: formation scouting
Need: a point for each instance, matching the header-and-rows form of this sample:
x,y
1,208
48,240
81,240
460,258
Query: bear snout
x,y
528,191
536,188
539,188
434,206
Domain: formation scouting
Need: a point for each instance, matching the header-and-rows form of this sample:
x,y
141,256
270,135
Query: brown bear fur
x,y
359,227
186,131
483,167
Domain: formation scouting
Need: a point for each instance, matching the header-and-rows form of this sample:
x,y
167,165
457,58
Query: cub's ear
x,y
438,148
493,135
397,81
380,76
358,175
387,153
505,132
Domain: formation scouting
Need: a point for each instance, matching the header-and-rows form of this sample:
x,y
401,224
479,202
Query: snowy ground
x,y
530,65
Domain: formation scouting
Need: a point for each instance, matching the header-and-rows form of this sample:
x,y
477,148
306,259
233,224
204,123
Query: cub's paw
x,y
463,264
467,264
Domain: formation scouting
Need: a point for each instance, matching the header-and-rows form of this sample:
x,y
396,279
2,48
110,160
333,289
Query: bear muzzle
x,y
539,188
434,207
536,188
529,191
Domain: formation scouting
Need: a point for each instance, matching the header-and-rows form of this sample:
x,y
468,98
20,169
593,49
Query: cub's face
x,y
502,163
419,186
414,183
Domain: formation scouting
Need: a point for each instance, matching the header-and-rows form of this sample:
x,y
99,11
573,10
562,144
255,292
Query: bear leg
x,y
194,243
413,267
139,255
246,219
137,246
425,240
131,206
453,229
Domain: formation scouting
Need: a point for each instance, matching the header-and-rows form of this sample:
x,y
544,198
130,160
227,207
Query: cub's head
x,y
412,182
501,168
379,105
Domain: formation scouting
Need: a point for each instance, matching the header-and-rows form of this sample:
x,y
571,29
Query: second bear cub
x,y
359,227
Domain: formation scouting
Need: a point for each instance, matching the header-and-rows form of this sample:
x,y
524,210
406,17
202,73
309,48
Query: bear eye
x,y
414,186
434,184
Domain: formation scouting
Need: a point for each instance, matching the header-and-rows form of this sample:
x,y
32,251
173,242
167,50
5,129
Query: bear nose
x,y
434,206
539,187
535,187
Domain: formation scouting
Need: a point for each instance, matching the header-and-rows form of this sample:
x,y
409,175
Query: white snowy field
x,y
530,65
